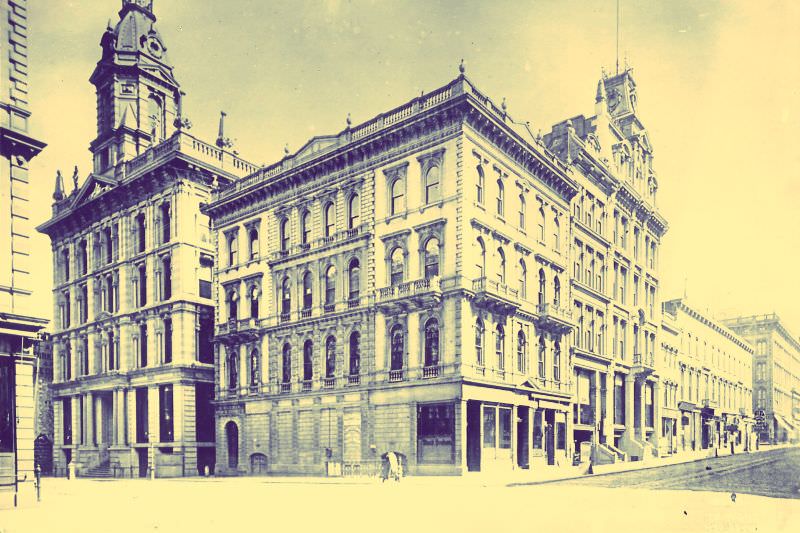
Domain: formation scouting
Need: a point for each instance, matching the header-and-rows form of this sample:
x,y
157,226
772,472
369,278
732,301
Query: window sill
x,y
402,215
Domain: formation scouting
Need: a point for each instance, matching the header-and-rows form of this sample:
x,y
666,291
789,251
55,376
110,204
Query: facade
x,y
133,361
431,282
19,322
776,375
43,403
708,387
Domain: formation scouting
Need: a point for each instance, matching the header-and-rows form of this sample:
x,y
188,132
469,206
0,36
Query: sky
x,y
718,89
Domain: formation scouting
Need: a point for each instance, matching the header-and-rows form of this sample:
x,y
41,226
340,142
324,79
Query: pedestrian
x,y
384,467
394,468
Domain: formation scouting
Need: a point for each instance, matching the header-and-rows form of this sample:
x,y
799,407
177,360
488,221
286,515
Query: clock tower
x,y
138,97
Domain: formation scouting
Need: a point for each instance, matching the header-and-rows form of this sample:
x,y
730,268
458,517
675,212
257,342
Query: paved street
x,y
773,473
601,503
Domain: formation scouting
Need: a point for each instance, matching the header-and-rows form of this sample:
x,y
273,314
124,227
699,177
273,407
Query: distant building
x,y
776,375
43,403
709,391
19,321
133,359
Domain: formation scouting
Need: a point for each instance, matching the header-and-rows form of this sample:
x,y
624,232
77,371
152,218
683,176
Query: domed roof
x,y
134,33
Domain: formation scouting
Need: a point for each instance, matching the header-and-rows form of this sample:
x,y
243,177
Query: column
x,y
597,411
630,383
658,425
609,422
514,451
88,405
641,385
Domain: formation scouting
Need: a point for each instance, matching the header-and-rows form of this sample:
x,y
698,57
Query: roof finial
x,y
286,150
75,179
601,90
222,140
349,121
461,67
58,193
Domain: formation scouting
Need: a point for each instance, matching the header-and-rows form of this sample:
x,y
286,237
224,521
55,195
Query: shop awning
x,y
783,422
687,406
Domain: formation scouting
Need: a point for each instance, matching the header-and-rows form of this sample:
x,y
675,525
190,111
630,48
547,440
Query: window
x,y
166,416
112,353
432,342
480,185
541,358
255,369
433,191
523,279
556,292
307,292
108,245
619,399
480,265
542,288
305,221
354,278
233,370
556,233
330,286
354,213
308,362
330,219
501,198
167,340
65,264
155,114
521,211
233,249
500,347
556,361
436,433
143,345
522,355
284,235
253,296
252,237
286,297
355,353
431,258
489,426
541,223
330,357
397,266
479,333
165,223
140,234
504,428
397,347
287,363
398,204
233,305
83,304
83,258
166,266
501,266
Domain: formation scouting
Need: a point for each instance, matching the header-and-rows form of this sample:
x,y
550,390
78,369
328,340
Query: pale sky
x,y
718,83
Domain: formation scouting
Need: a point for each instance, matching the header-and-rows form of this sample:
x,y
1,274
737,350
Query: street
x,y
617,502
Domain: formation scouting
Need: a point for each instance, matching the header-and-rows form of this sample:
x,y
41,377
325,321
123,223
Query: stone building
x,y
776,375
133,359
709,386
19,321
438,282
43,426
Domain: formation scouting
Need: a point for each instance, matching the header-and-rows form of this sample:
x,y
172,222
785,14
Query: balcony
x,y
318,244
245,329
495,296
418,294
286,388
554,385
395,376
354,379
328,383
643,364
555,318
307,385
430,372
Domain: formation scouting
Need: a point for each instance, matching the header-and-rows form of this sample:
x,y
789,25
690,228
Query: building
x,y
438,282
19,321
133,359
43,426
710,386
776,375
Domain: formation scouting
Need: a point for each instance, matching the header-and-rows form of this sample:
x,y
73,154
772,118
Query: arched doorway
x,y
43,454
258,464
232,434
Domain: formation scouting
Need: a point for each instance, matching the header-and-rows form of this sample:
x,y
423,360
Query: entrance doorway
x,y
523,437
550,435
142,454
473,436
258,464
232,436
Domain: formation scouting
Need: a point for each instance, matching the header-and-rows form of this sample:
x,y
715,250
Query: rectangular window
x,y
143,345
538,433
167,278
167,340
142,430
166,417
504,428
165,223
436,433
66,419
233,250
489,426
619,399
142,285
7,415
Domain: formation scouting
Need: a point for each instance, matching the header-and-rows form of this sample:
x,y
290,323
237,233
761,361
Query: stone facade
x,y
776,375
19,322
133,361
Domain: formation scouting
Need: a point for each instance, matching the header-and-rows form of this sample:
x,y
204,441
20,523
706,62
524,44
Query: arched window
x,y
286,297
431,258
253,238
432,342
398,347
556,292
556,361
254,294
287,363
556,232
480,185
523,279
307,291
542,287
65,263
354,278
501,266
285,235
166,227
330,357
522,352
233,305
254,369
233,249
155,113
355,353
541,223
330,286
501,198
232,436
542,348
354,212
521,211
330,219
233,369
398,203
140,233
112,355
397,266
500,347
479,334
308,361
83,258
305,220
433,191
480,264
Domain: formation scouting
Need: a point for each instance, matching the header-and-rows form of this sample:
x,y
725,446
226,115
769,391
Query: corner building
x,y
407,284
133,360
